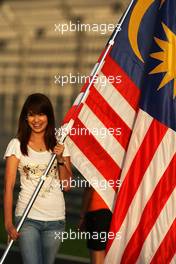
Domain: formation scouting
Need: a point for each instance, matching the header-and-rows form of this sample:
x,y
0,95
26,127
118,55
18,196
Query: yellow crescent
x,y
138,13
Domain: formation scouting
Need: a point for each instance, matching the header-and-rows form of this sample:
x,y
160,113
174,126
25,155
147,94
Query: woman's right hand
x,y
12,233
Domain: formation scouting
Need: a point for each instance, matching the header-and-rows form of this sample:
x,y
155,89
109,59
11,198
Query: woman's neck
x,y
37,142
37,137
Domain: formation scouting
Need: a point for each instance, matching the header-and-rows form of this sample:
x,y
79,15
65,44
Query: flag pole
x,y
110,44
67,129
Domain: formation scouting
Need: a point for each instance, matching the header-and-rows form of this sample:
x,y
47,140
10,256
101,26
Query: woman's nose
x,y
36,118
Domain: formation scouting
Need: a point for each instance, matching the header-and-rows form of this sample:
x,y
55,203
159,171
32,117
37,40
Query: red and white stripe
x,y
173,260
105,106
145,215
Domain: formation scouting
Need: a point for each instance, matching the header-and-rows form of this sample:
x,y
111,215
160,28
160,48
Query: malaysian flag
x,y
142,155
110,106
145,210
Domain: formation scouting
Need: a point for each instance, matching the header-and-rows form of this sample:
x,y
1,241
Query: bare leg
x,y
97,257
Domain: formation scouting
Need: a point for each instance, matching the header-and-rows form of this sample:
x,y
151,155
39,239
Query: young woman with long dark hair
x,y
29,153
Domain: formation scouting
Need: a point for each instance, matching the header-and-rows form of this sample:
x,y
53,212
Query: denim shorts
x,y
39,240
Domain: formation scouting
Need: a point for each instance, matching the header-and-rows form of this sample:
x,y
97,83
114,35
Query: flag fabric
x,y
104,121
145,210
143,154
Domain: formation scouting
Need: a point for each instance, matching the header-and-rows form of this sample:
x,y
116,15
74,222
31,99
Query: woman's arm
x,y
64,166
9,183
65,173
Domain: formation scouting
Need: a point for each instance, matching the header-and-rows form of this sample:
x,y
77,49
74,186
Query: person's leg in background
x,y
97,256
98,224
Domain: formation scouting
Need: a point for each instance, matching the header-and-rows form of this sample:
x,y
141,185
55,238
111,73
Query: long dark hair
x,y
36,103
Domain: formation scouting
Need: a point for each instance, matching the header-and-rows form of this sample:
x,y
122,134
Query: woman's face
x,y
37,122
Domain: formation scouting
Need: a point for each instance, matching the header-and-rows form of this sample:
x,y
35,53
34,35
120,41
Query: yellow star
x,y
167,57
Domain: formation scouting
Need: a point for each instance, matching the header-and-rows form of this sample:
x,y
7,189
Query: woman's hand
x,y
9,183
64,168
58,150
12,233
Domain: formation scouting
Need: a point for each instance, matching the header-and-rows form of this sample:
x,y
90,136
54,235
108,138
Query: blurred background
x,y
34,55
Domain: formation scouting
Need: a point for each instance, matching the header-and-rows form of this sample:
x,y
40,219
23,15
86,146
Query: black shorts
x,y
97,224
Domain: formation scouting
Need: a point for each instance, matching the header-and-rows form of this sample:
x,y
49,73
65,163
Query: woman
x,y
30,153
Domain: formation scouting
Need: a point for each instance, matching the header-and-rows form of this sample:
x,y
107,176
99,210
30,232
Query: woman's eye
x,y
41,114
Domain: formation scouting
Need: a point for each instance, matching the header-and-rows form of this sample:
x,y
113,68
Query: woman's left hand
x,y
58,150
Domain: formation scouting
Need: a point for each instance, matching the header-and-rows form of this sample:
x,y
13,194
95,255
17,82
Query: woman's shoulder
x,y
14,141
13,148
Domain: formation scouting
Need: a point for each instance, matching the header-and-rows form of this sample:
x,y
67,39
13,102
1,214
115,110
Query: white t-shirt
x,y
49,204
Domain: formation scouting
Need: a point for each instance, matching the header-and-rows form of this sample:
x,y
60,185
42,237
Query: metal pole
x,y
69,125
110,44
